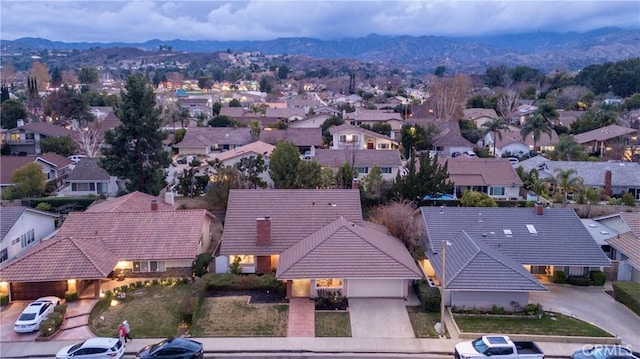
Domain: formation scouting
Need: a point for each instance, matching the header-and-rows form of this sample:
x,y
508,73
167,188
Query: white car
x,y
93,348
37,311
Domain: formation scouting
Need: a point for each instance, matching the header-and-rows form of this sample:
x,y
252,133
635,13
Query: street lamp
x,y
442,283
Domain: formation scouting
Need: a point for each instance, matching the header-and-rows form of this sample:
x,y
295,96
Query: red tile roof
x,y
465,171
132,202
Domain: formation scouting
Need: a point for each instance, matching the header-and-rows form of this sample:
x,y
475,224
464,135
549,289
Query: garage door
x,y
35,290
375,288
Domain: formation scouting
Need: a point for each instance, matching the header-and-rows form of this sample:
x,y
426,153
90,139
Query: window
x,y
329,283
363,170
386,170
149,266
496,191
383,146
77,187
15,137
4,255
244,259
15,241
349,138
27,238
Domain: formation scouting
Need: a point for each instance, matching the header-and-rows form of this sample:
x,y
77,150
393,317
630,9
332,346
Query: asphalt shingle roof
x,y
629,245
466,171
336,158
207,136
603,134
8,217
88,169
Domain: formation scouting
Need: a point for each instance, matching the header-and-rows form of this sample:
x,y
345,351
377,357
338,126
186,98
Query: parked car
x,y
456,154
470,154
514,161
76,158
183,160
93,348
604,352
19,153
37,311
497,346
173,348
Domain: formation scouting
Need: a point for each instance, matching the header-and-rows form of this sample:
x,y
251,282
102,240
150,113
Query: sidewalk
x,y
307,346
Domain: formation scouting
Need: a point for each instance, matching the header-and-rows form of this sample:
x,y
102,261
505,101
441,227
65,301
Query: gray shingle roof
x,y
351,128
88,169
295,214
207,136
8,217
336,158
561,239
603,134
298,136
343,249
472,265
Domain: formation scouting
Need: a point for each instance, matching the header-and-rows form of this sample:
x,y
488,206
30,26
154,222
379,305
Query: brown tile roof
x,y
132,202
343,249
629,245
480,171
47,129
475,113
298,136
514,136
254,148
8,164
603,134
232,112
284,112
56,159
207,136
632,219
294,213
336,158
450,136
88,169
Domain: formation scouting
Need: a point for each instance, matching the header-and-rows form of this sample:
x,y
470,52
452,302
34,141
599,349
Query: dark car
x,y
175,348
604,352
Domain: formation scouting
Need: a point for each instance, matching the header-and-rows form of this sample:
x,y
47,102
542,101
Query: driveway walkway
x,y
593,305
379,318
302,318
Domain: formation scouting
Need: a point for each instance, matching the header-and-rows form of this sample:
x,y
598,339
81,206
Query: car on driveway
x,y
93,348
604,352
173,348
37,311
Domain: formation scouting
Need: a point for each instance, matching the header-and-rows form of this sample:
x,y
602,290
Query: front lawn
x,y
152,312
423,323
233,317
555,324
333,324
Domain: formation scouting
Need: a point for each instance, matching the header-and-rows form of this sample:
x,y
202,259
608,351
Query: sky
x,y
138,21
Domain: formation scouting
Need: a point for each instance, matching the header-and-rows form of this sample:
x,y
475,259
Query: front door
x,y
369,145
301,288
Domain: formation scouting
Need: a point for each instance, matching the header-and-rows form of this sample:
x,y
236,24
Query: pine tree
x,y
135,151
4,93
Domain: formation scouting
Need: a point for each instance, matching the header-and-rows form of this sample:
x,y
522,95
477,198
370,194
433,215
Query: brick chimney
x,y
154,204
538,208
354,184
607,183
263,231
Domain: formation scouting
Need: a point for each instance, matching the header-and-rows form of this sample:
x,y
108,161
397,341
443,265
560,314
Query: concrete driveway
x,y
8,316
379,318
593,305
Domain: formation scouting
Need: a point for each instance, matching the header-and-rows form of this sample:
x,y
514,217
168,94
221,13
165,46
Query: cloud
x,y
136,21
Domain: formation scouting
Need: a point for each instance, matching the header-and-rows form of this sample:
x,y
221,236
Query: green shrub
x,y
244,282
201,264
220,281
597,277
47,327
70,296
60,308
234,268
429,296
139,284
559,277
154,282
533,309
57,318
269,281
579,280
124,287
4,300
184,280
628,293
497,310
108,294
628,199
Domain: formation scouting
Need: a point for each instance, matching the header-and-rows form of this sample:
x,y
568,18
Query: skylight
x,y
507,231
592,225
531,228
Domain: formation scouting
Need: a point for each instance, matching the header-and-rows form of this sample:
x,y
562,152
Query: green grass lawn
x,y
152,312
233,317
423,323
333,324
557,324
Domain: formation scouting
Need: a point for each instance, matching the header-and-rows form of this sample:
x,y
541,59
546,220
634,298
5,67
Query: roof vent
x,y
532,229
593,225
332,204
604,232
479,217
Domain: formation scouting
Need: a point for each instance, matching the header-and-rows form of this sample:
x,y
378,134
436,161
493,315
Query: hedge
x,y
579,280
628,293
429,296
4,300
229,281
71,296
597,277
62,205
559,277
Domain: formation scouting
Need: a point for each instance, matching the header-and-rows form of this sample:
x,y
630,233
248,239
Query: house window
x,y
15,137
15,241
386,170
329,283
4,255
496,191
149,266
83,187
349,139
102,188
243,259
362,170
31,136
383,146
27,238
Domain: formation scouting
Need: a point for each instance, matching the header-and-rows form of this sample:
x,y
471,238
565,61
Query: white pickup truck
x,y
498,346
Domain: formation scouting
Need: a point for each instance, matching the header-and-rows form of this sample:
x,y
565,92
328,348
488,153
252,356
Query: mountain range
x,y
546,51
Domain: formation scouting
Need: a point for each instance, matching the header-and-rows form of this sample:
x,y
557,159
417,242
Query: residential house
x,y
196,106
134,202
614,178
317,241
310,122
449,141
480,115
204,140
493,255
511,142
495,177
303,138
363,161
286,115
21,228
55,167
347,135
91,247
625,245
27,137
258,148
88,178
602,139
371,117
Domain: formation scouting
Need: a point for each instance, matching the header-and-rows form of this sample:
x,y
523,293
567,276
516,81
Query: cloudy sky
x,y
138,21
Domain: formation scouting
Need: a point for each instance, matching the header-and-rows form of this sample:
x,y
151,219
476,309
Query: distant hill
x,y
543,50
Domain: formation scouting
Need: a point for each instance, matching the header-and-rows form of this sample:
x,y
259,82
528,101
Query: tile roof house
x,y
494,176
88,178
232,157
26,137
316,240
54,166
303,138
389,162
511,142
615,178
21,228
349,135
538,240
310,122
625,246
91,246
371,117
480,115
132,202
204,140
600,139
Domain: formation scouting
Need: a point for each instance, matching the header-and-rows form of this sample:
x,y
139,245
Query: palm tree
x,y
495,126
566,180
536,126
547,110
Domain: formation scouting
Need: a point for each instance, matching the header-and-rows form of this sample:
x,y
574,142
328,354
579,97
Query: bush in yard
x,y
57,318
220,281
4,300
234,268
60,308
597,277
154,282
269,281
70,296
497,310
47,327
628,199
579,281
533,309
429,296
559,277
124,287
628,293
201,264
330,300
244,282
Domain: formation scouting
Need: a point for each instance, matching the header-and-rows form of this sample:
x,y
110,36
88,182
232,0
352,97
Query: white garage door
x,y
375,288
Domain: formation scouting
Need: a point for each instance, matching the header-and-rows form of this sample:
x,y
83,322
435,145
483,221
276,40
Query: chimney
x,y
607,183
169,197
538,208
20,123
154,204
263,231
354,184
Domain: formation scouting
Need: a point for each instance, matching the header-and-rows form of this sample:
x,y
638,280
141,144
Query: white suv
x,y
93,348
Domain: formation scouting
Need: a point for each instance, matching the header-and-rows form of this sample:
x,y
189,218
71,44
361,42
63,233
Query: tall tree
x,y
432,178
283,164
495,127
4,93
547,109
255,127
88,75
569,150
345,175
40,72
250,168
62,145
508,103
536,126
135,150
309,175
449,95
566,180
29,180
10,112
56,77
417,137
